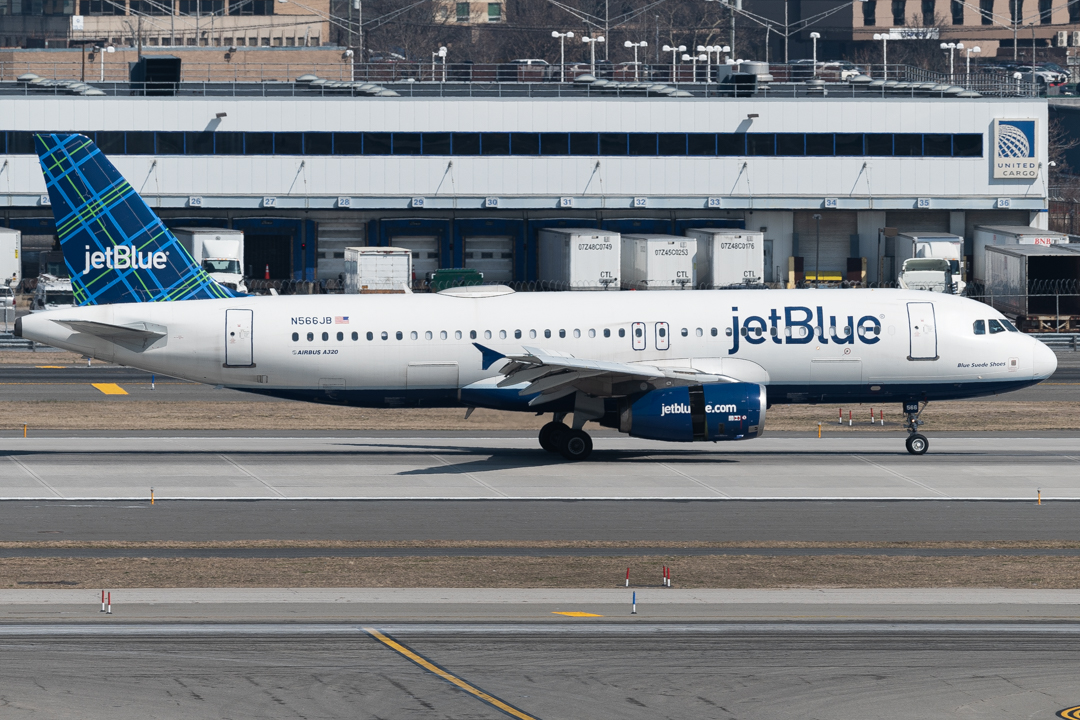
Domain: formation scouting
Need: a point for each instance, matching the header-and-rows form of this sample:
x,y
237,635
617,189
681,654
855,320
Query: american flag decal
x,y
341,319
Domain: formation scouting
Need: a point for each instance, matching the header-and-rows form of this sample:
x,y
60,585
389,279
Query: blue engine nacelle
x,y
717,411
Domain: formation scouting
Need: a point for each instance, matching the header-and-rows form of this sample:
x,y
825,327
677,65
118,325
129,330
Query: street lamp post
x,y
562,51
636,45
884,38
694,59
814,37
952,48
591,41
674,57
440,53
975,50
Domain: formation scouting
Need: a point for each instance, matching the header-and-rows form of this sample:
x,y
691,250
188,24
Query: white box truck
x,y
927,244
219,251
52,293
10,257
658,262
1008,235
377,270
728,257
579,259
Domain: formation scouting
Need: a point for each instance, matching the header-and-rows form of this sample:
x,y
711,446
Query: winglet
x,y
490,357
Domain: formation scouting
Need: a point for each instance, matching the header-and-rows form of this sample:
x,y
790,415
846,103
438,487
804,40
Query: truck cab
x,y
53,293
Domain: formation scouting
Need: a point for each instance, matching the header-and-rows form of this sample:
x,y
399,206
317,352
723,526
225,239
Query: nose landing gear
x,y
571,443
916,443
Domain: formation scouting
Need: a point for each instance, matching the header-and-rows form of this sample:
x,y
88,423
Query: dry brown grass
x,y
708,571
14,357
126,413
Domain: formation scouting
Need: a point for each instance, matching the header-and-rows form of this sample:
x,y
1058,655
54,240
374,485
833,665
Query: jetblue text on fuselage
x,y
800,328
124,257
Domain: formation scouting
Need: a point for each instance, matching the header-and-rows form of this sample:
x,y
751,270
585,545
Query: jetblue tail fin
x,y
116,249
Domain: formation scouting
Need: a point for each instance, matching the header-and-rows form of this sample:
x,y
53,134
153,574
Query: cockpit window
x,y
996,327
1009,326
979,327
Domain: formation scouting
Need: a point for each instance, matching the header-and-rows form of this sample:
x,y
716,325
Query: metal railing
x,y
1067,342
513,80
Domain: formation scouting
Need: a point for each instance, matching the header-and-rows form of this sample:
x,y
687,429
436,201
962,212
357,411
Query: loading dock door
x,y
263,250
837,227
493,256
238,339
333,239
922,327
425,254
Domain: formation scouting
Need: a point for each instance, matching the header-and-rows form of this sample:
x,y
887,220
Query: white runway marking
x,y
252,475
34,475
903,477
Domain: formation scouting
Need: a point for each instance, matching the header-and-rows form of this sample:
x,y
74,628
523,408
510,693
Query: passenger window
x,y
442,334
685,332
577,333
996,327
370,336
295,337
414,335
517,334
427,335
744,332
713,332
487,334
772,331
622,332
398,335
457,334
472,334
355,336
699,332
1009,326
385,335
532,333
341,336
310,337
562,333
638,332
325,336
502,334
547,333
607,332
727,331
979,327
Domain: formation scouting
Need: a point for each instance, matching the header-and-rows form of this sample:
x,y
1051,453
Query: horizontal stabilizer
x,y
137,335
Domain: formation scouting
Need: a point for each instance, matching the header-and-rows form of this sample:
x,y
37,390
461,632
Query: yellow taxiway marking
x,y
110,388
51,367
449,677
575,614
1072,713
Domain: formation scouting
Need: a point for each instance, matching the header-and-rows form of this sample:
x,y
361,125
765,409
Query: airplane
x,y
690,365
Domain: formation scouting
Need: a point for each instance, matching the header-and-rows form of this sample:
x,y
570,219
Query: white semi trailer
x,y
579,259
658,262
10,257
728,257
378,270
219,251
986,235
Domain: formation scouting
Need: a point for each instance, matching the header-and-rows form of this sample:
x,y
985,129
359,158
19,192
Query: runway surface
x,y
463,467
28,381
799,671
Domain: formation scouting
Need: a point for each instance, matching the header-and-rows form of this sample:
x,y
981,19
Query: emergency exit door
x,y
238,341
922,329
663,336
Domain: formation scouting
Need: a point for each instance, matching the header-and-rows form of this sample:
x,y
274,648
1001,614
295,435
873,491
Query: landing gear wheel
x,y
917,444
549,436
574,445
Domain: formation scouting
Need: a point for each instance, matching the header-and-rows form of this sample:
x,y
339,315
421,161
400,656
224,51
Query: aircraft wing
x,y
138,335
551,375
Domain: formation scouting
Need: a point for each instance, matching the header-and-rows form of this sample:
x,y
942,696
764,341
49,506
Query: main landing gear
x,y
557,438
917,444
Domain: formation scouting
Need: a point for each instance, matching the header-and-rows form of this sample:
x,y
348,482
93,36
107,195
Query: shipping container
x,y
377,270
728,257
1030,282
987,235
658,262
10,257
579,259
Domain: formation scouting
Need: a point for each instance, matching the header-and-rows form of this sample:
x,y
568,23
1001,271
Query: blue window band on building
x,y
523,144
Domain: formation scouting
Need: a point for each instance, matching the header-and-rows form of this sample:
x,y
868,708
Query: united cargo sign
x,y
1015,155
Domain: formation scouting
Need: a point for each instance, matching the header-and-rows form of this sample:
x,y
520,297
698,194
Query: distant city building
x,y
470,13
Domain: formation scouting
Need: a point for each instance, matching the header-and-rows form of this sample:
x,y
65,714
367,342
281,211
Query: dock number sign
x,y
1016,150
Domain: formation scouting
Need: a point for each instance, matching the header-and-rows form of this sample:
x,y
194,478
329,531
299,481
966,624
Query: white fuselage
x,y
811,345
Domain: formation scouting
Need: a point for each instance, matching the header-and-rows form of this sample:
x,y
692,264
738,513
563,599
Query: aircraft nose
x,y
1044,361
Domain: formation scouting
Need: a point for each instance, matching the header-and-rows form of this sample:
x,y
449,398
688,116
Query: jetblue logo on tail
x,y
121,257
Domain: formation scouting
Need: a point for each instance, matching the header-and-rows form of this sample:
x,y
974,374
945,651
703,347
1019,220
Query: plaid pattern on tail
x,y
116,249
